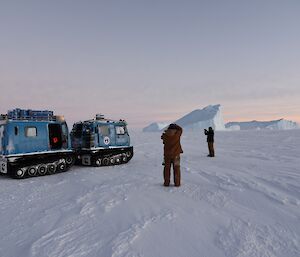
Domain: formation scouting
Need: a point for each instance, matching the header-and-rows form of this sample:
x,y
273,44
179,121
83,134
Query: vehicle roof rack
x,y
28,114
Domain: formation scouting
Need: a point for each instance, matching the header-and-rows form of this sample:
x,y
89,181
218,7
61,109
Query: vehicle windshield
x,y
103,130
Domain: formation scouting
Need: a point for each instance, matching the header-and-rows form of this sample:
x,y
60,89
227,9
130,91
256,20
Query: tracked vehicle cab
x,y
34,143
101,142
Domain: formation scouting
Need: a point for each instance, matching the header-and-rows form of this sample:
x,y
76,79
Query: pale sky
x,y
148,61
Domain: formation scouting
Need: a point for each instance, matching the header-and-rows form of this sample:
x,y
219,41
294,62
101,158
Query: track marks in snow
x,y
225,183
287,192
216,198
276,192
212,188
243,239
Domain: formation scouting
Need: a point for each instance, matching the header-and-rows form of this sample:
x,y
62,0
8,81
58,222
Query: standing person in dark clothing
x,y
210,141
172,151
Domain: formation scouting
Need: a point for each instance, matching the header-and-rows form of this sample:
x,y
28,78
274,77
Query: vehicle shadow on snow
x,y
4,177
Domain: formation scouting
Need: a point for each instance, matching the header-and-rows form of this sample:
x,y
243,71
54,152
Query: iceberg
x,y
210,116
155,126
280,124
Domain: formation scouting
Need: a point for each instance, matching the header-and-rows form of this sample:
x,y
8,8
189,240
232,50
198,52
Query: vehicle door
x,y
55,136
76,136
2,139
65,135
122,137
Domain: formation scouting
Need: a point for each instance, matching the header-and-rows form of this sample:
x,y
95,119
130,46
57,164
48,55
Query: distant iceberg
x,y
209,116
280,124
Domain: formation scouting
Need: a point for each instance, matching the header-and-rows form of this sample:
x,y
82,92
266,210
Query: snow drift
x,y
280,124
209,116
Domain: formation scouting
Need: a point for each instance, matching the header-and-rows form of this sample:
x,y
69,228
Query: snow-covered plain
x,y
243,202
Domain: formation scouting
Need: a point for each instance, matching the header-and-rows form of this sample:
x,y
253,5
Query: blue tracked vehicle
x,y
101,142
34,143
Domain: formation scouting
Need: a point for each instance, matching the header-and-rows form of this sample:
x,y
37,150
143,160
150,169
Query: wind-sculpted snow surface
x,y
245,202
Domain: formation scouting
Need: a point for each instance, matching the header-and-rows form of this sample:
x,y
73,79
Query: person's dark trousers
x,y
211,149
176,168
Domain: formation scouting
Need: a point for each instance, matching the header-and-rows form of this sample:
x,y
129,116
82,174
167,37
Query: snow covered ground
x,y
244,202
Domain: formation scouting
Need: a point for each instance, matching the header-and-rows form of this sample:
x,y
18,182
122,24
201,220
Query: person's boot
x,y
177,176
167,173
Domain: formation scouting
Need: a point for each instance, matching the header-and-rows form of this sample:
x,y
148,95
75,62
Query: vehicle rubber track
x,y
25,167
105,157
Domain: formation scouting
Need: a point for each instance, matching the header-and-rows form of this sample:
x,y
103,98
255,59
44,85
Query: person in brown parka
x,y
172,151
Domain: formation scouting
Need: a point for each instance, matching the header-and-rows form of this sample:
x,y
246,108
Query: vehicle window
x,y
103,130
16,131
120,130
30,131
